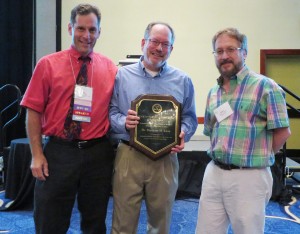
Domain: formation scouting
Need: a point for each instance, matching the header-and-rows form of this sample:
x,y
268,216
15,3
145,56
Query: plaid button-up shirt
x,y
245,137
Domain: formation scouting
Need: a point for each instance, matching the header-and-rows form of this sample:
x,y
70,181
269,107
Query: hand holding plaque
x,y
159,126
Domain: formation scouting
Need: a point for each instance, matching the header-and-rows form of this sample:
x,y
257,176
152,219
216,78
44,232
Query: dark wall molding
x,y
58,25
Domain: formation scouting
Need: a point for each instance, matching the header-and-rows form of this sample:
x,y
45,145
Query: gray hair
x,y
150,26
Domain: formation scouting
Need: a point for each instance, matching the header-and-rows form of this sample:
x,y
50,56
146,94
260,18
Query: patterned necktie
x,y
72,128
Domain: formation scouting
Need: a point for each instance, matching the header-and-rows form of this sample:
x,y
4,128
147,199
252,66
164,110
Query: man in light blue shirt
x,y
137,176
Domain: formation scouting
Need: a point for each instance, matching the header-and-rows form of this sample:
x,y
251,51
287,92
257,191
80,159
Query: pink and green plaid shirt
x,y
245,137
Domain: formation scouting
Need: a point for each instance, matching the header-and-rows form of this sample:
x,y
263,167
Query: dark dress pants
x,y
84,174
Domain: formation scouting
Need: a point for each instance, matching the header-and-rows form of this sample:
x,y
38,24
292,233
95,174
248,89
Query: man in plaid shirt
x,y
247,122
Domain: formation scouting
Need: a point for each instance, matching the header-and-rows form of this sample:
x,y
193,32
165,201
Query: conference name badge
x,y
82,107
223,111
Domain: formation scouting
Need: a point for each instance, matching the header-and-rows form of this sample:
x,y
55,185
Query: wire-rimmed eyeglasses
x,y
229,51
164,45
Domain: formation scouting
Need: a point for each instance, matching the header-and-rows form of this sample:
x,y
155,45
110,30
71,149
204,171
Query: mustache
x,y
225,61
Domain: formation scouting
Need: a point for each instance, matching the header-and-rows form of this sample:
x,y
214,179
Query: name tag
x,y
223,111
82,107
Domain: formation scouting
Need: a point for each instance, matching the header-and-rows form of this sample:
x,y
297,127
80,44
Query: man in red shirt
x,y
71,166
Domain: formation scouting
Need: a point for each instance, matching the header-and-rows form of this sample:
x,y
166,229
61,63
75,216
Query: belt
x,y
80,144
228,166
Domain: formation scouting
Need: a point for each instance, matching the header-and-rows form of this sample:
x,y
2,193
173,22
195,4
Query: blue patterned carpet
x,y
279,219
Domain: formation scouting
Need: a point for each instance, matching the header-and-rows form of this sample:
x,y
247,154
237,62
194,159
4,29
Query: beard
x,y
227,71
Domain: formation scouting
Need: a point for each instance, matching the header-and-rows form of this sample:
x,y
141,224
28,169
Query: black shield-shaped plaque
x,y
159,127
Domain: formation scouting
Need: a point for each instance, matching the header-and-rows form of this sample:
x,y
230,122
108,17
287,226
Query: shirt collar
x,y
242,74
75,54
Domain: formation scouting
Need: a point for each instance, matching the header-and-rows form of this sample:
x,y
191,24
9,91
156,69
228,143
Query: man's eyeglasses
x,y
229,51
164,45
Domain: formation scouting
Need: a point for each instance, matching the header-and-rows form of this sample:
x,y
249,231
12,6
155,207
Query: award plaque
x,y
159,126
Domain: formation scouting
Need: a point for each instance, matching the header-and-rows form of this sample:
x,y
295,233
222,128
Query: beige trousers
x,y
136,177
237,197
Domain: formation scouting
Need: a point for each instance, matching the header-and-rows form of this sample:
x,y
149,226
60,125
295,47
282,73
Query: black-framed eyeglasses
x,y
229,51
164,45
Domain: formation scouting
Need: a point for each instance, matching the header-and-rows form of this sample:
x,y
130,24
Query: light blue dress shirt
x,y
133,80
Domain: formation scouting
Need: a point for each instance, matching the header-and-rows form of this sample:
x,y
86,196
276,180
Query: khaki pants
x,y
237,197
136,177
